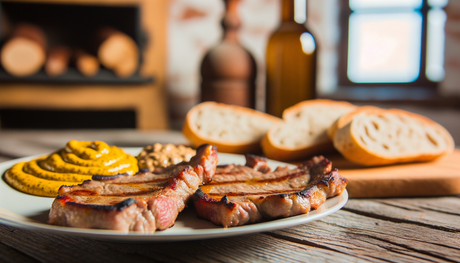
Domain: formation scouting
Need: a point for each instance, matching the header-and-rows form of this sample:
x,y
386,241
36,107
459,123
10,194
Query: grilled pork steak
x,y
241,195
144,202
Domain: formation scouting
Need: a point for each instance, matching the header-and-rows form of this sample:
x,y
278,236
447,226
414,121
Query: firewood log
x,y
57,61
117,51
24,53
85,63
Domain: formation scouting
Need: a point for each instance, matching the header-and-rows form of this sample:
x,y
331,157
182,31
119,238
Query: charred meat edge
x,y
323,184
66,200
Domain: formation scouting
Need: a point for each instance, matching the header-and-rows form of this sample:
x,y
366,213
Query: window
x,y
392,41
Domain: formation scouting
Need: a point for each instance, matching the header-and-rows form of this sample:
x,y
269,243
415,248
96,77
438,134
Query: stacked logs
x,y
26,52
117,51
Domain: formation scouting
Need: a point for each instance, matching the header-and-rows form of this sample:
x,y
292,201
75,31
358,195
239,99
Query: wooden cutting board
x,y
436,178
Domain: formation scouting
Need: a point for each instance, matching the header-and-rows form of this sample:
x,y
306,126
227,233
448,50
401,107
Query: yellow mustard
x,y
77,162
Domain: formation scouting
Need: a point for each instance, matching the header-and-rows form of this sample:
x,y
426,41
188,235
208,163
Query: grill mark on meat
x,y
205,199
268,180
119,206
146,182
94,193
295,180
229,173
236,203
257,194
107,189
108,177
133,203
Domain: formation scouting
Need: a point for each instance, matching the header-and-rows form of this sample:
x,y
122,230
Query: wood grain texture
x,y
251,248
377,240
355,234
436,178
439,213
10,254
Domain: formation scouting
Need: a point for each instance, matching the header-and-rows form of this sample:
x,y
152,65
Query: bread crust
x,y
193,135
291,111
347,142
275,151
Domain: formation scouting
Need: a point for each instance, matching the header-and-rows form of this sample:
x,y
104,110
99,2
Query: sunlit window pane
x,y
435,45
438,3
356,5
384,48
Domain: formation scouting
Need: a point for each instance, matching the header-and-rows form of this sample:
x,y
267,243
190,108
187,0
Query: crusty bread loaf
x,y
233,129
303,132
372,136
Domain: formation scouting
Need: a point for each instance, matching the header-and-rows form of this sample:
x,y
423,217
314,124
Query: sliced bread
x,y
346,118
304,130
372,136
233,129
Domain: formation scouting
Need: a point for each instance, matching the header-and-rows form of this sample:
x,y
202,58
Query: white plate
x,y
31,212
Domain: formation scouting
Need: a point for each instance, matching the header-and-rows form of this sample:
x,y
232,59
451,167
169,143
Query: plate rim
x,y
160,236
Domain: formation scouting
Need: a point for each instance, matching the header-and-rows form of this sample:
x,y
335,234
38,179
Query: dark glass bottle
x,y
290,63
228,70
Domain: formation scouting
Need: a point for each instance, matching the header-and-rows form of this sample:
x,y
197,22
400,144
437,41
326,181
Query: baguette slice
x,y
372,136
233,129
347,118
304,131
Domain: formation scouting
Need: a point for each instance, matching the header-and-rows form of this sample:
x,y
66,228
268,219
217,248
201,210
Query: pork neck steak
x,y
145,202
240,195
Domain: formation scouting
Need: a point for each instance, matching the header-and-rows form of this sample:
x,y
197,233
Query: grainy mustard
x,y
158,155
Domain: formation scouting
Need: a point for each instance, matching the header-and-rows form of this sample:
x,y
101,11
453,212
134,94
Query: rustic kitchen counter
x,y
365,230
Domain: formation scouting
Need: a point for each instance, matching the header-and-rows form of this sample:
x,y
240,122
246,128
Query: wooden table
x,y
365,230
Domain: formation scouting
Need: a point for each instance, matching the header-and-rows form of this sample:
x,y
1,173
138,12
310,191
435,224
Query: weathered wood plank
x,y
11,255
251,248
442,205
341,237
440,213
376,239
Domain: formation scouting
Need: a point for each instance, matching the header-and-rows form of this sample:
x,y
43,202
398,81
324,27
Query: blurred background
x,y
138,64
